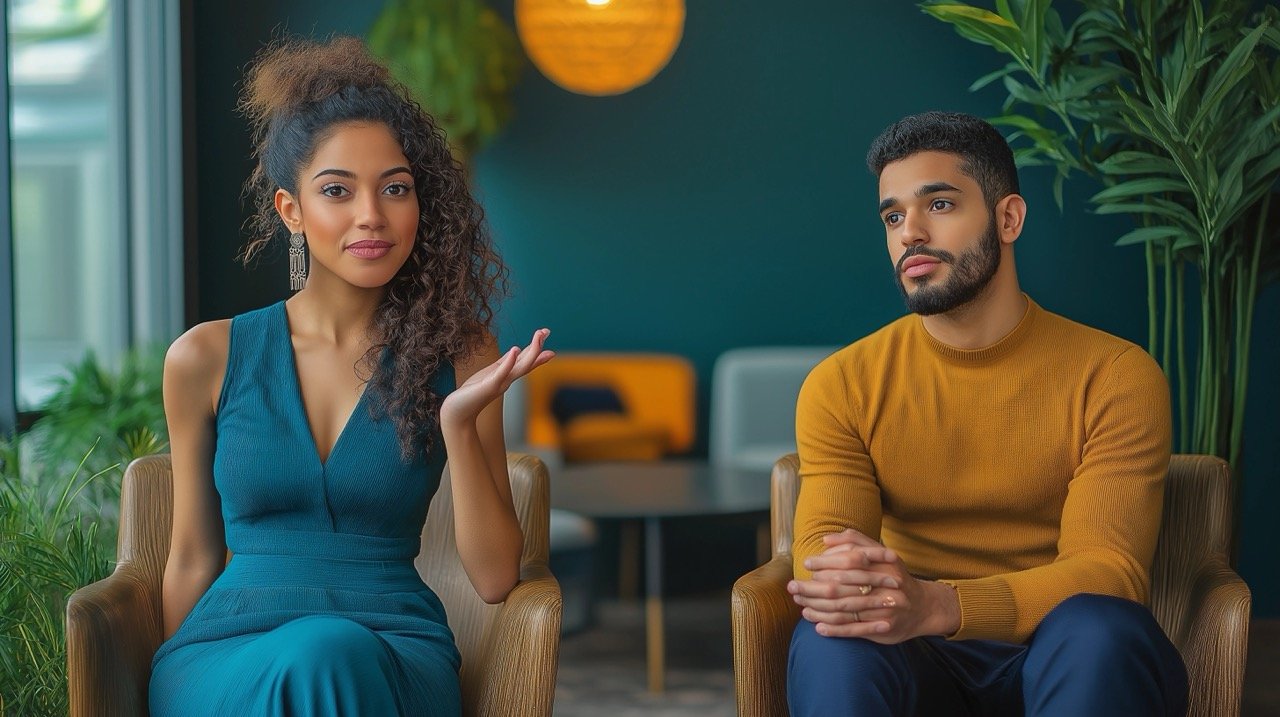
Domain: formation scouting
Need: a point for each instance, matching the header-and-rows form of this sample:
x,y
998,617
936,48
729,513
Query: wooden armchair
x,y
509,651
1196,597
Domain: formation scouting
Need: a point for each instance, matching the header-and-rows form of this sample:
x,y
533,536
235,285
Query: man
x,y
981,484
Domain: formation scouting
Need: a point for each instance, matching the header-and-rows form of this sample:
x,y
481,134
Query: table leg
x,y
656,652
628,559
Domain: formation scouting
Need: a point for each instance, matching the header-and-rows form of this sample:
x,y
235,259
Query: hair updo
x,y
440,305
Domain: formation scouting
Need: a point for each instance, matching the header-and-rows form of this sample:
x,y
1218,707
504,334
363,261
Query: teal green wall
x,y
725,203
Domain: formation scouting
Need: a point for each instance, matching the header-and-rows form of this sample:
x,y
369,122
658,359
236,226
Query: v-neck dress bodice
x,y
320,610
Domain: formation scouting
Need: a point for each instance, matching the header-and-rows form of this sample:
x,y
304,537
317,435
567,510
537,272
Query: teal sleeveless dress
x,y
320,610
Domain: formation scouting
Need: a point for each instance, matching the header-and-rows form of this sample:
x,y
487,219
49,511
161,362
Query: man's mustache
x,y
939,254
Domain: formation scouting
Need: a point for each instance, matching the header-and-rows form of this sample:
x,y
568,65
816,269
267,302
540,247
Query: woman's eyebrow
x,y
351,175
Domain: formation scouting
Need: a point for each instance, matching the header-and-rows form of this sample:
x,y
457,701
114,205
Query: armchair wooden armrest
x,y
764,616
1216,640
113,630
114,626
522,656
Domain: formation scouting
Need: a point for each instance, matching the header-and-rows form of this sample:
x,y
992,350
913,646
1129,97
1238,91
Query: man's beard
x,y
970,274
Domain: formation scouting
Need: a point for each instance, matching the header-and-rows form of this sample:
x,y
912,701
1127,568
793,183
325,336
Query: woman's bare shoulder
x,y
197,359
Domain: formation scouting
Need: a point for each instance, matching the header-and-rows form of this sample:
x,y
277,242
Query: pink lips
x,y
369,248
918,266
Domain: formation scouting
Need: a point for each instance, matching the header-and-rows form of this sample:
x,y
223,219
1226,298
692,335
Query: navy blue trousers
x,y
1092,655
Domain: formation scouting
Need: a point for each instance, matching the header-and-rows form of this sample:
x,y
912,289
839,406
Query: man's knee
x,y
1096,654
1102,625
830,675
832,656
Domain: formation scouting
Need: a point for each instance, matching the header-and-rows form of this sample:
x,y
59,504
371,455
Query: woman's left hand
x,y
468,400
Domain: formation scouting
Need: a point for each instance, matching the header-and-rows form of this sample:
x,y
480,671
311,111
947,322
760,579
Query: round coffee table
x,y
651,491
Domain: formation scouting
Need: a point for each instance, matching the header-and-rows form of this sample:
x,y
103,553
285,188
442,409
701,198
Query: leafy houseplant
x,y
458,58
121,412
59,496
1175,106
51,544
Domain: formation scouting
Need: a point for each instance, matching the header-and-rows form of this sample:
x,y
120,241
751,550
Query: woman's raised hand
x,y
468,400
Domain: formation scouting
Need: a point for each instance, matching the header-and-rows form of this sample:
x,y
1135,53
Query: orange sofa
x,y
657,396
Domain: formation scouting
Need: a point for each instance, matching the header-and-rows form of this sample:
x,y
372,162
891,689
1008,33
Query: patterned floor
x,y
602,669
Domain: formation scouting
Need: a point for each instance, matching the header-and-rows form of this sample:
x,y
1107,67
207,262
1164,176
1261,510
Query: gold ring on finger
x,y
865,589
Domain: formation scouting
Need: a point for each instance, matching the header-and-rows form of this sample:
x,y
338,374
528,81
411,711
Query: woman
x,y
309,436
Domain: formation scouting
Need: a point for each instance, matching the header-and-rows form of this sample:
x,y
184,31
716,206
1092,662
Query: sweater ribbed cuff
x,y
987,611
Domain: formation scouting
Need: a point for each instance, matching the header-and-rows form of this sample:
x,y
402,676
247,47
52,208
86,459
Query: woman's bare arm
x,y
485,524
193,371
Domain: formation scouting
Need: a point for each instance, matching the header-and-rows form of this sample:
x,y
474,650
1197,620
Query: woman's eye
x,y
333,190
940,204
398,189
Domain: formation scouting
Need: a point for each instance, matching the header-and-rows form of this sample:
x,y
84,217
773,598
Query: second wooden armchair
x,y
509,651
1196,597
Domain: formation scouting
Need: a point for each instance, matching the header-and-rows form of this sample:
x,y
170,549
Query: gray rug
x,y
602,669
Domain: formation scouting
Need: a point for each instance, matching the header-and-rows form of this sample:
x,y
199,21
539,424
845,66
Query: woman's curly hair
x,y
440,305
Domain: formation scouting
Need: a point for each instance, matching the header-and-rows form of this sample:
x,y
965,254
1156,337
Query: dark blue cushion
x,y
572,400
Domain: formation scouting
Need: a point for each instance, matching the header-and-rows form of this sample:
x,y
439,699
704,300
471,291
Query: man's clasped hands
x,y
860,588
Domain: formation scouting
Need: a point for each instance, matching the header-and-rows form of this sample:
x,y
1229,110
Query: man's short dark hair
x,y
984,153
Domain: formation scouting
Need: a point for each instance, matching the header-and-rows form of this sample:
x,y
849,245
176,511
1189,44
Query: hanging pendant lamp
x,y
600,47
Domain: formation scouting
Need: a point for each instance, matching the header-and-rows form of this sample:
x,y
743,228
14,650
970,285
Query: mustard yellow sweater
x,y
1021,473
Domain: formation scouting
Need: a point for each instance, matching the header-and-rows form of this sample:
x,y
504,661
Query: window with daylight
x,y
95,187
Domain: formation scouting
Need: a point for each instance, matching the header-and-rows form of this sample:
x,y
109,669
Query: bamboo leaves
x,y
1179,103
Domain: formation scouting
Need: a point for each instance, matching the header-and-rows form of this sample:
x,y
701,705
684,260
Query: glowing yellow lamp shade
x,y
600,47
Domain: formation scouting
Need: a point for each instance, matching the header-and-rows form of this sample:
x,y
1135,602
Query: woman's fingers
x,y
499,370
532,355
515,363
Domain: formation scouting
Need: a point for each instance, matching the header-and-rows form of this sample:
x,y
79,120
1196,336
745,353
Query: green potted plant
x,y
1175,107
120,411
59,500
52,542
458,58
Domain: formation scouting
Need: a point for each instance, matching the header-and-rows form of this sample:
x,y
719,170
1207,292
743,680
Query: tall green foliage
x,y
59,496
458,58
1175,106
51,544
119,411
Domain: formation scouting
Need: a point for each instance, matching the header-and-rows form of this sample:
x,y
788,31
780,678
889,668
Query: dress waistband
x,y
322,545
297,574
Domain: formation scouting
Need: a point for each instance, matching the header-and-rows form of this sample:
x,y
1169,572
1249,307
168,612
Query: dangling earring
x,y
297,261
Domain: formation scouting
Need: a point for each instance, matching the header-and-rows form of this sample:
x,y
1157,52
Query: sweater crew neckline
x,y
985,354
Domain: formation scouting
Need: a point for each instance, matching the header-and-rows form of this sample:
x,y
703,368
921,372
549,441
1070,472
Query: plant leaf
x,y
1142,235
1138,188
